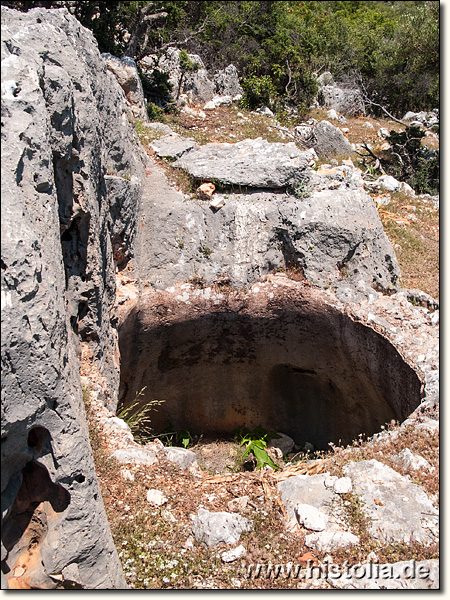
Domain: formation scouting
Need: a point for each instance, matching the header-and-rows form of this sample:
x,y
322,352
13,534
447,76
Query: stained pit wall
x,y
295,365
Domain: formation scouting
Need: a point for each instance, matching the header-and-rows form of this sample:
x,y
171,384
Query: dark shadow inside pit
x,y
307,370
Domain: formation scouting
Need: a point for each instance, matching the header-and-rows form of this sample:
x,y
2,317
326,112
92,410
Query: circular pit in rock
x,y
285,360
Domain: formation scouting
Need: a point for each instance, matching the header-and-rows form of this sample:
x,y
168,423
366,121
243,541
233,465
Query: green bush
x,y
259,91
392,48
413,163
155,113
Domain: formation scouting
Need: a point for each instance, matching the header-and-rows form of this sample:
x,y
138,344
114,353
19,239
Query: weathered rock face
x,y
227,82
196,86
417,517
126,73
71,173
250,163
331,232
347,101
328,140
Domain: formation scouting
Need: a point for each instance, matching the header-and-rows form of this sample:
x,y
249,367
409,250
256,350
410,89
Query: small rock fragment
x,y
127,475
217,203
283,442
327,541
411,461
205,191
238,504
311,517
134,456
156,497
212,528
343,485
182,457
233,554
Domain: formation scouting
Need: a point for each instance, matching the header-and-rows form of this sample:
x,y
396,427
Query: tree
x,y
144,18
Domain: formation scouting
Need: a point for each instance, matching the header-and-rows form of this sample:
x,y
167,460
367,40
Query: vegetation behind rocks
x,y
390,48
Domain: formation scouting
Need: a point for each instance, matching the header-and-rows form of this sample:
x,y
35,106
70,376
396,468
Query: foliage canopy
x,y
391,48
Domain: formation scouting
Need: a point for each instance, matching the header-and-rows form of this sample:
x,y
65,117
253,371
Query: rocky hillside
x,y
217,271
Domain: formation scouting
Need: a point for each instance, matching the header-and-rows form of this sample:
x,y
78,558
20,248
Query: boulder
x,y
218,101
227,82
283,442
134,456
159,128
422,118
328,140
196,86
399,509
251,163
331,234
345,101
173,146
311,517
383,132
125,71
213,528
390,184
411,461
264,110
305,490
332,114
182,457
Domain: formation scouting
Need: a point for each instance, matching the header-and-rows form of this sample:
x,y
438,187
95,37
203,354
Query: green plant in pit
x,y
181,437
255,441
137,417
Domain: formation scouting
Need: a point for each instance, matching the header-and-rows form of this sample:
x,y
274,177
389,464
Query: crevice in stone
x,y
36,508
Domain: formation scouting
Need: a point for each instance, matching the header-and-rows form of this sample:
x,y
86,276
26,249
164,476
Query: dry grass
x,y
152,541
225,125
412,226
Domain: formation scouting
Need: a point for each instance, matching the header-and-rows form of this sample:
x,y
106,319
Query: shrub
x,y
412,162
157,87
155,113
259,91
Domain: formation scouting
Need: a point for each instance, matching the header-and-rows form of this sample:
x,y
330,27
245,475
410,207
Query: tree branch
x,y
144,20
186,39
369,101
366,99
